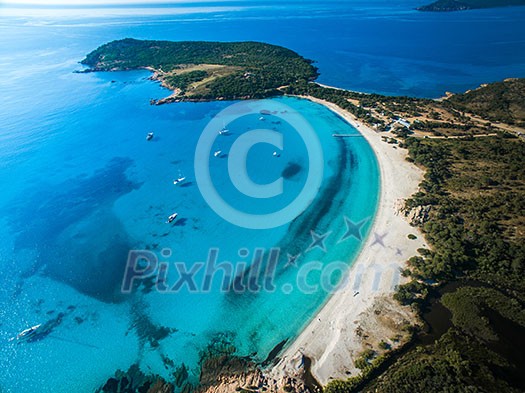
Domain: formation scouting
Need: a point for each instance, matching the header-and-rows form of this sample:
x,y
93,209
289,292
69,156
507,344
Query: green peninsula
x,y
461,5
198,71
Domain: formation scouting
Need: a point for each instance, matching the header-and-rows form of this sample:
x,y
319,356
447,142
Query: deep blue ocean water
x,y
81,186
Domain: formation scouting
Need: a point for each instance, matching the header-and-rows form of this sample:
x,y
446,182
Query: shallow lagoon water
x,y
97,189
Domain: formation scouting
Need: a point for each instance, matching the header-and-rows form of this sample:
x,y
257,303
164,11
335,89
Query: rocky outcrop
x,y
221,372
255,380
133,381
230,374
418,215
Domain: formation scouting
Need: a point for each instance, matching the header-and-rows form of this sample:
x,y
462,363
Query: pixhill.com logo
x,y
262,273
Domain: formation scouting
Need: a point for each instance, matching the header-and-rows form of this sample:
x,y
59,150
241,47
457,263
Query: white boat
x,y
179,180
26,333
224,130
262,118
150,136
275,154
217,153
172,218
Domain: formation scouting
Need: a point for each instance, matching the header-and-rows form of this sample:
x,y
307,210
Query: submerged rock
x,y
135,381
181,375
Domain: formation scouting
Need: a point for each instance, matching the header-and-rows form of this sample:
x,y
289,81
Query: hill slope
x,y
501,101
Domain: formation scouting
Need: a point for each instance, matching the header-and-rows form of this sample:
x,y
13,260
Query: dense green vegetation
x,y
460,5
455,363
475,189
256,69
343,99
468,303
495,108
182,81
474,193
501,101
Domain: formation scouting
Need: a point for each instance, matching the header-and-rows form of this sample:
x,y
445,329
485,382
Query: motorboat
x,y
27,333
180,179
172,218
150,136
217,153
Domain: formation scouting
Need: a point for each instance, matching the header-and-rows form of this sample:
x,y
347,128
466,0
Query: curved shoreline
x,y
332,201
331,340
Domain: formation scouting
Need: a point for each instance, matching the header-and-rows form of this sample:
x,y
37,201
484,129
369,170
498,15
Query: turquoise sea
x,y
81,186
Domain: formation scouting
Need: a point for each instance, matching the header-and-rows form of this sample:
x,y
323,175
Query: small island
x,y
462,5
202,71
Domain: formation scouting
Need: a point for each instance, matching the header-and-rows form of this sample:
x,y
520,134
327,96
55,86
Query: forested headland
x,y
462,5
199,70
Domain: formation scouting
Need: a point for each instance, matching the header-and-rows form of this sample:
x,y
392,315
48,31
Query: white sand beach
x,y
357,318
